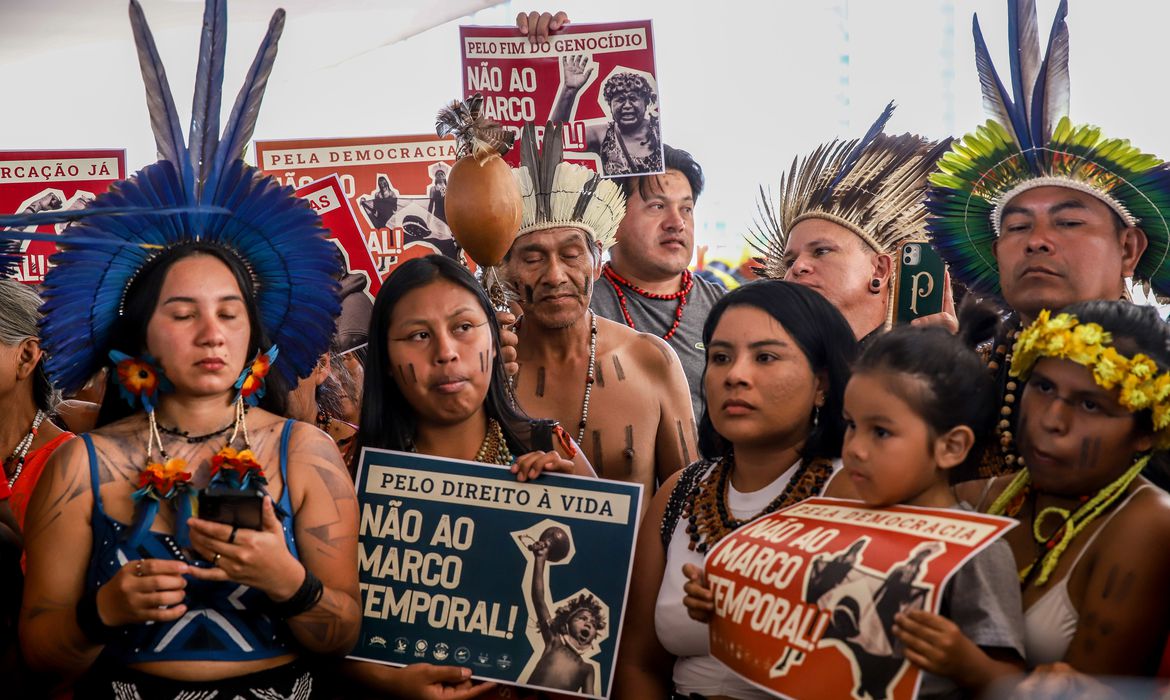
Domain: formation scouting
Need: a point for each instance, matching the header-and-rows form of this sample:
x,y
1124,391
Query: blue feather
x,y
183,509
1051,94
164,118
47,218
242,121
9,257
144,516
855,153
276,234
995,98
1023,52
204,134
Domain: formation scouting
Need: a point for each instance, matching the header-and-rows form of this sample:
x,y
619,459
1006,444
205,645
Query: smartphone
x,y
920,282
232,507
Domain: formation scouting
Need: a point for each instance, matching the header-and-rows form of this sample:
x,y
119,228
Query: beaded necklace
x,y
1001,359
494,449
22,448
707,514
1011,501
590,374
590,377
682,295
195,439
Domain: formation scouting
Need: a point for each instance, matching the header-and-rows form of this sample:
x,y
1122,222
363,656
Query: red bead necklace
x,y
681,295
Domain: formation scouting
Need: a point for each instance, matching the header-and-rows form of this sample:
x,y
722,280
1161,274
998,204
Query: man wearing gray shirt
x,y
646,284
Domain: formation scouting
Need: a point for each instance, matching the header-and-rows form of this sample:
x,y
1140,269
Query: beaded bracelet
x,y
308,595
90,621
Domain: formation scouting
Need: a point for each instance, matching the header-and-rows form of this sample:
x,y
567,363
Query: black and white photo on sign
x,y
422,218
863,602
52,199
380,205
567,633
628,140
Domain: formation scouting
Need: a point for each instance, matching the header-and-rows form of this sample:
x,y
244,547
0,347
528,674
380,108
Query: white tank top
x,y
695,670
1051,622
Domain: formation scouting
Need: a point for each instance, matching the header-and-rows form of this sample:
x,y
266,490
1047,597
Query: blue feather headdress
x,y
872,186
199,193
1030,142
9,257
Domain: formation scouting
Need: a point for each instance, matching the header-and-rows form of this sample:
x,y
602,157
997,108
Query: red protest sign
x,y
805,597
396,187
328,199
600,79
44,181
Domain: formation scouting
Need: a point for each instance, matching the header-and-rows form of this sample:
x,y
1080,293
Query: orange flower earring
x,y
140,379
250,385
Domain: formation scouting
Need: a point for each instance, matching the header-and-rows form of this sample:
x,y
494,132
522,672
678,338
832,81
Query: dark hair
x,y
565,613
142,295
619,83
674,159
959,388
387,418
1138,328
824,337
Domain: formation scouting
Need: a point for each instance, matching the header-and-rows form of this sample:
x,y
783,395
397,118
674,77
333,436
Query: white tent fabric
x,y
745,85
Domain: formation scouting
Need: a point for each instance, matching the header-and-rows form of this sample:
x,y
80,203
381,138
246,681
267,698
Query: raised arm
x,y
676,441
575,71
543,617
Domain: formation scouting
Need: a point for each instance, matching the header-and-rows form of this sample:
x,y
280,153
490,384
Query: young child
x,y
917,408
568,636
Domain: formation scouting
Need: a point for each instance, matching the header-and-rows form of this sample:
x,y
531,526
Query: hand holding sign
x,y
538,25
700,597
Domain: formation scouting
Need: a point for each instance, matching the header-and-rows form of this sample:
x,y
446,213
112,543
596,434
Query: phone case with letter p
x,y
920,283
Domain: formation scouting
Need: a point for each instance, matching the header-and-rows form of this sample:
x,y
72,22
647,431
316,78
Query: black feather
x,y
204,135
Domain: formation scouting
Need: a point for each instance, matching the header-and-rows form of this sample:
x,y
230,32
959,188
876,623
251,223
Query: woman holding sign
x,y
777,364
435,384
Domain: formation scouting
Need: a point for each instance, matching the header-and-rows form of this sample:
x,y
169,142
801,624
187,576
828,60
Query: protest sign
x,y
599,79
327,198
396,187
45,181
805,597
522,582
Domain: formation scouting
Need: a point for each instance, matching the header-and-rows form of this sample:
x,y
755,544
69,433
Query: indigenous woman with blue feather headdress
x,y
207,289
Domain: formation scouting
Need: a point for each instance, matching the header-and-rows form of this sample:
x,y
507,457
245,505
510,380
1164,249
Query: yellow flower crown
x,y
1089,344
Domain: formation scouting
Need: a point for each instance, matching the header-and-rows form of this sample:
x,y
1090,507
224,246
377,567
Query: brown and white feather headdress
x,y
559,194
873,186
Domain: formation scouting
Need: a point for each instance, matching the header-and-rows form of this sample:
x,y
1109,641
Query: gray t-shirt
x,y
983,599
655,316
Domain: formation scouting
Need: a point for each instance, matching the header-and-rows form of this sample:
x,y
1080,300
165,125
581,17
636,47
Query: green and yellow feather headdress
x,y
1030,142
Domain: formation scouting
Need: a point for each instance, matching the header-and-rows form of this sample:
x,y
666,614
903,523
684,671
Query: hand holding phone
x,y
232,507
920,285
